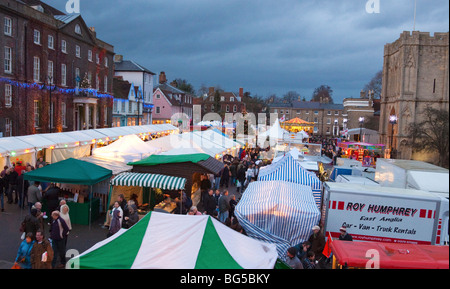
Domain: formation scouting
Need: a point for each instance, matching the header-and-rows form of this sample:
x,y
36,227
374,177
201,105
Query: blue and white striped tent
x,y
278,212
289,170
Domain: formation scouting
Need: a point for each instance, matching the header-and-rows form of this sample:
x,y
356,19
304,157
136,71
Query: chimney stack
x,y
241,92
162,77
118,58
211,91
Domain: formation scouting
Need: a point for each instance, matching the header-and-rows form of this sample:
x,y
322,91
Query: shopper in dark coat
x,y
209,203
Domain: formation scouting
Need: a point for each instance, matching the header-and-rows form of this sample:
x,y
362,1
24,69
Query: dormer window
x,y
78,29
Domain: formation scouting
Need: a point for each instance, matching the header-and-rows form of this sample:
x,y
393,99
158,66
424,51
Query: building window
x,y
235,108
8,26
123,106
158,110
316,112
316,120
97,57
228,108
158,96
36,113
78,51
51,42
336,112
8,95
37,37
77,77
329,112
97,82
8,60
222,98
328,120
63,114
115,105
90,55
106,84
232,98
50,71
106,62
36,69
63,75
63,46
130,107
8,126
299,111
105,116
78,29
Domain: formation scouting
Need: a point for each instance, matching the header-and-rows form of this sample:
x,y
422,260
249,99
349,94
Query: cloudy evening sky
x,y
266,46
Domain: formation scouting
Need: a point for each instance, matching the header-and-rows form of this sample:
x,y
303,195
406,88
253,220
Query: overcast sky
x,y
266,46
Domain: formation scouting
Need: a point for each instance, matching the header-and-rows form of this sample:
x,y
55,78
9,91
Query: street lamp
x,y
361,122
139,97
393,121
336,128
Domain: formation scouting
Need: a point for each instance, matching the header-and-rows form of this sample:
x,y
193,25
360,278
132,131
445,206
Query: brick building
x,y
42,48
229,102
328,118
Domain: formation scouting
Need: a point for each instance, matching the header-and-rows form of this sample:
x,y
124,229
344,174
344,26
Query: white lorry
x,y
412,174
385,214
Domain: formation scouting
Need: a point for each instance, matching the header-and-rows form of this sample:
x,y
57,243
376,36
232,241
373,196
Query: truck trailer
x,y
385,214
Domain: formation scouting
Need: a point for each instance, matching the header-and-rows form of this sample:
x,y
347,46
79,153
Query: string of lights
x,y
90,91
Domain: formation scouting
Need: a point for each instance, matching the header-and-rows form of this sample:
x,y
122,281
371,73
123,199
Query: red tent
x,y
391,255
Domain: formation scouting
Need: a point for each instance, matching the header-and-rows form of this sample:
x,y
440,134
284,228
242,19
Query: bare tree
x,y
323,93
432,135
375,85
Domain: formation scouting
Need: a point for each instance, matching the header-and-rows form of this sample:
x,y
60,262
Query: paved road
x,y
81,237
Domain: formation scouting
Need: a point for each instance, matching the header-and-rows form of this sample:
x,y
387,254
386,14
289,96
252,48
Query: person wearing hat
x,y
317,240
292,260
344,236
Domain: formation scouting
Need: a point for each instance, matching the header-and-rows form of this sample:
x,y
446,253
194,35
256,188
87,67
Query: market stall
x,y
179,165
366,153
75,172
13,150
289,169
127,149
389,255
189,242
278,212
141,185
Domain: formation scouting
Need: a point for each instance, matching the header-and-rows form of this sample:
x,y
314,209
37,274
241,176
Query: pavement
x,y
80,238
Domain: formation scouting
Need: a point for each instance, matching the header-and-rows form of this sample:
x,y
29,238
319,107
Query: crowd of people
x,y
210,196
37,251
12,184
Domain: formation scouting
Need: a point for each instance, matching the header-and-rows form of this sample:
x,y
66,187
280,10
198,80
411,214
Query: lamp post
x,y
361,122
393,121
336,128
139,97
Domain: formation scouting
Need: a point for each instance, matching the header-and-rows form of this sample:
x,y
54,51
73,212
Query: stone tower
x,y
415,75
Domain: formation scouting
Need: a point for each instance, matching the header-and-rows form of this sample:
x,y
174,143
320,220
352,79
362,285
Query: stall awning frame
x,y
149,180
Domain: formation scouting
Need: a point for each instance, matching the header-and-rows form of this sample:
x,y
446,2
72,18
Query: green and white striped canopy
x,y
149,180
166,241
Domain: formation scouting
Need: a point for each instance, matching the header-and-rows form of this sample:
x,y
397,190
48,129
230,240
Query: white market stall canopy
x,y
127,149
10,146
149,181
